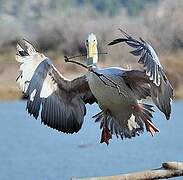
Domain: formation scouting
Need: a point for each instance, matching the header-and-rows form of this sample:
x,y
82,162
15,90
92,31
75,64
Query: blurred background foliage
x,y
59,27
19,7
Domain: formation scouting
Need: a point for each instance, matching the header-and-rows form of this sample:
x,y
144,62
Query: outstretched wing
x,y
62,102
148,57
141,85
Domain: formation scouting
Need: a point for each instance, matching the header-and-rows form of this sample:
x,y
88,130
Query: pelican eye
x,y
87,42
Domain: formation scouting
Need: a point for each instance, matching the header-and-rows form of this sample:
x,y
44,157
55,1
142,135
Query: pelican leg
x,y
150,127
106,135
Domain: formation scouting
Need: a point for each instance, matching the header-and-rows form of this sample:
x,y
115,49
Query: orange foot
x,y
106,135
150,127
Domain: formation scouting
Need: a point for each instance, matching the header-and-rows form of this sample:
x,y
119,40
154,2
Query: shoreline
x,y
9,71
10,95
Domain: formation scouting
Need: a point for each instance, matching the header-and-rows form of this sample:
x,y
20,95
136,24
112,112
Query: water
x,y
32,151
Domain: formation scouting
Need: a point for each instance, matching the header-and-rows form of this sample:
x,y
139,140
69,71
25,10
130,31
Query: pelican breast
x,y
109,96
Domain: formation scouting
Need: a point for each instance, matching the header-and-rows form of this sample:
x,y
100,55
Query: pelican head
x,y
92,53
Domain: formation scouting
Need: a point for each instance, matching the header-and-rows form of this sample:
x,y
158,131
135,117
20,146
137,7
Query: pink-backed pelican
x,y
118,92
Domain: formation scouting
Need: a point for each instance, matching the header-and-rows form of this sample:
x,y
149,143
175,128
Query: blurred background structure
x,y
59,27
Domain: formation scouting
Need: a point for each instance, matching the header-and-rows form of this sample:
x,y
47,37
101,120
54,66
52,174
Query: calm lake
x,y
30,151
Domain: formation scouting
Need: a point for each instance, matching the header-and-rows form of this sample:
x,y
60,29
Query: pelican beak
x,y
92,53
92,49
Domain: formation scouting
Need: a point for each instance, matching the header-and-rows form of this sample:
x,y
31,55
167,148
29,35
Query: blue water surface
x,y
31,151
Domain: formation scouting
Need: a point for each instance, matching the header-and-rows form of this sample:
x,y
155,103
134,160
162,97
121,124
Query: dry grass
x,y
57,35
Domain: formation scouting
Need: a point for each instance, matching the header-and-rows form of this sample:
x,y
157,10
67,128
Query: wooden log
x,y
173,165
168,170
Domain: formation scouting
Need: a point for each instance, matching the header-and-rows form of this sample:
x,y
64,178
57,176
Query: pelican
x,y
118,92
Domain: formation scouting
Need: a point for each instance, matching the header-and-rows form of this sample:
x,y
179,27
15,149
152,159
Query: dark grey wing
x,y
61,102
148,57
134,79
161,95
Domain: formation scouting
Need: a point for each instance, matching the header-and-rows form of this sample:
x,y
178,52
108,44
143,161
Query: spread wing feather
x,y
61,102
153,81
148,57
161,95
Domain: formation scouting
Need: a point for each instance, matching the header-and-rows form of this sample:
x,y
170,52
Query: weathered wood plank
x,y
168,170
